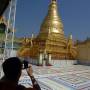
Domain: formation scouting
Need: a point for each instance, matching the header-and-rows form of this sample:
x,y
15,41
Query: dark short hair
x,y
12,67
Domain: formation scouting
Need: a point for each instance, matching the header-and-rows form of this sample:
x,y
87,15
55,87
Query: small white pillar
x,y
40,59
49,58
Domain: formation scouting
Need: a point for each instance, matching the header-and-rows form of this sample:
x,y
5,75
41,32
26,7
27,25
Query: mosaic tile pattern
x,y
75,77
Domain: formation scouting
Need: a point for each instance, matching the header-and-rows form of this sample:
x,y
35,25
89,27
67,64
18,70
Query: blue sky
x,y
75,15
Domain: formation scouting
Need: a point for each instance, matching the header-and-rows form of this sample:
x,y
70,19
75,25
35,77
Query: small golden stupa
x,y
50,39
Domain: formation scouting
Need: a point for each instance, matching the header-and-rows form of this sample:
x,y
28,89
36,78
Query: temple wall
x,y
57,63
63,63
84,53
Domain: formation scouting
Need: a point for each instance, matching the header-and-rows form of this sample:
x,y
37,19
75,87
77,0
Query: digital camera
x,y
25,64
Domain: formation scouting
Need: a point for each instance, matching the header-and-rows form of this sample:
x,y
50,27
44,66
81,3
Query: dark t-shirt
x,y
10,86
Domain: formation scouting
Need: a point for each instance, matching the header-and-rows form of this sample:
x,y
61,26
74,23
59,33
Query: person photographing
x,y
12,68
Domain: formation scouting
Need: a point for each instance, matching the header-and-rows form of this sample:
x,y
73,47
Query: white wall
x,y
63,63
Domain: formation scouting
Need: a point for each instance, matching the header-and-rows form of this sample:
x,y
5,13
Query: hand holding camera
x,y
30,71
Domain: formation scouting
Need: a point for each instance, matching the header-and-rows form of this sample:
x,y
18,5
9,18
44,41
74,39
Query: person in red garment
x,y
12,68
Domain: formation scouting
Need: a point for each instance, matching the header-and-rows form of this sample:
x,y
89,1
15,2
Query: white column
x,y
49,58
40,58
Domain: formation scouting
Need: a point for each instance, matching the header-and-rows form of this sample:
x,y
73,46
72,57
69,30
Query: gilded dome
x,y
52,22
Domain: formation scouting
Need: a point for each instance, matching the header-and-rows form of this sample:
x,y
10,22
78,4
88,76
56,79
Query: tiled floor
x,y
75,77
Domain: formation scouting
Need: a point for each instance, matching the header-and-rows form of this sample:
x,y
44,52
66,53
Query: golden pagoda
x,y
51,38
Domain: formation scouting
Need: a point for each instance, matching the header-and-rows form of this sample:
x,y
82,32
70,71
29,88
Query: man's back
x,y
10,86
12,68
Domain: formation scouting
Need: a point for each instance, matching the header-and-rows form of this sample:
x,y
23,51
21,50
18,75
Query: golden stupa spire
x,y
52,22
53,0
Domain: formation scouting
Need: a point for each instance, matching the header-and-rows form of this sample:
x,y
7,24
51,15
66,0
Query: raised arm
x,y
34,82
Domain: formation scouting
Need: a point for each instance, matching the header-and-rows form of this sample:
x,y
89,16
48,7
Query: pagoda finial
x,y
53,0
52,22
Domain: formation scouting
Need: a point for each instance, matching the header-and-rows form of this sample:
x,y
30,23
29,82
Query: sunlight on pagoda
x,y
51,39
